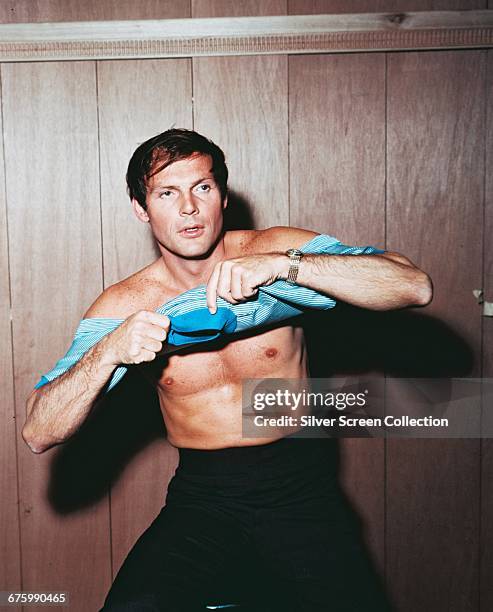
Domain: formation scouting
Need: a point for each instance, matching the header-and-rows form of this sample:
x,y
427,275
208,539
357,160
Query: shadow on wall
x,y
123,423
401,343
238,213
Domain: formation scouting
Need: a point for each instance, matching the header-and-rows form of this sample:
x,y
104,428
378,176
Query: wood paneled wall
x,y
316,7
435,211
9,520
387,149
53,205
337,170
486,447
27,11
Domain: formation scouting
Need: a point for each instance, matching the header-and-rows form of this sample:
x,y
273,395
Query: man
x,y
273,499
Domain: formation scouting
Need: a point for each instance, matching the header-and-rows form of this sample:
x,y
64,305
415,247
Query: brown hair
x,y
158,152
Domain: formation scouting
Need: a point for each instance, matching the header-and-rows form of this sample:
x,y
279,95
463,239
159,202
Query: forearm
x,y
369,281
57,410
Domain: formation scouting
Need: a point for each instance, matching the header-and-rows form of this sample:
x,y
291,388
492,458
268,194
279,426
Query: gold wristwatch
x,y
295,256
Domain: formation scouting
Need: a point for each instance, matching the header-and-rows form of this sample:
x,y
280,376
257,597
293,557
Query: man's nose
x,y
188,206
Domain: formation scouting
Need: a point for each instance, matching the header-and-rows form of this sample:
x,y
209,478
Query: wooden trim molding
x,y
246,36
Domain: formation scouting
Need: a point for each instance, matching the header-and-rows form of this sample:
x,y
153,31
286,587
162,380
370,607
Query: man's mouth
x,y
192,230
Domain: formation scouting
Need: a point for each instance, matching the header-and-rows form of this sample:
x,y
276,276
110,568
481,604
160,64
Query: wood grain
x,y
486,550
434,216
241,104
254,92
232,8
445,143
54,231
337,145
26,11
315,7
10,553
137,100
337,179
278,34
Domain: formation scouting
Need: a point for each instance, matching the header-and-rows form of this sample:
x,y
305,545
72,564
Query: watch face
x,y
291,252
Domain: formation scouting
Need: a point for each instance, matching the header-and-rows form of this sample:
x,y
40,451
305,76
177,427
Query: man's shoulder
x,y
120,300
277,238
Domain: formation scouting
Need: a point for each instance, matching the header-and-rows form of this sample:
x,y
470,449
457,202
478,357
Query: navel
x,y
271,352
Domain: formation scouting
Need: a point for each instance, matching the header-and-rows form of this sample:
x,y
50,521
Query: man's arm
x,y
377,282
57,410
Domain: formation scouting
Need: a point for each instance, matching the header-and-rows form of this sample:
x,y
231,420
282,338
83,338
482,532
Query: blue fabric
x,y
191,321
200,326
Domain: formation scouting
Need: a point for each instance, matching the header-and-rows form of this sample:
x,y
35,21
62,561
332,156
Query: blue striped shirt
x,y
191,321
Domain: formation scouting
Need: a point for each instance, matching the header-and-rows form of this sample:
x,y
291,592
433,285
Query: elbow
x,y
34,444
28,433
423,290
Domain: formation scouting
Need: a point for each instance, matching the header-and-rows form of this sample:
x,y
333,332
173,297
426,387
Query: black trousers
x,y
265,527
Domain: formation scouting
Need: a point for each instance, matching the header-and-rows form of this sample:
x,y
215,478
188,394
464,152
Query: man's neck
x,y
185,274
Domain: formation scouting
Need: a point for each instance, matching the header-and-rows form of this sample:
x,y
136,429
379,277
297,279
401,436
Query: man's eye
x,y
165,194
204,188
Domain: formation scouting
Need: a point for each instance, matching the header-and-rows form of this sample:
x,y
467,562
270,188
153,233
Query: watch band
x,y
295,256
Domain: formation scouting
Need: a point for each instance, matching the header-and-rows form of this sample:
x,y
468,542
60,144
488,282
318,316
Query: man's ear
x,y
140,212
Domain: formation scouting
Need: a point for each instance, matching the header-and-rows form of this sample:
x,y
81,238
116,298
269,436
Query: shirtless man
x,y
229,493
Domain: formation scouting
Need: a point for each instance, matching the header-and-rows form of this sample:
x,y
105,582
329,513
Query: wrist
x,y
294,256
283,264
105,354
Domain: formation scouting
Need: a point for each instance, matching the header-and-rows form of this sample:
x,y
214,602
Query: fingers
x,y
231,281
211,289
146,355
151,324
140,337
153,317
224,283
153,334
235,283
241,286
219,284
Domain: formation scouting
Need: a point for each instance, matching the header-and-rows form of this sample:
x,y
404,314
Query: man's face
x,y
184,207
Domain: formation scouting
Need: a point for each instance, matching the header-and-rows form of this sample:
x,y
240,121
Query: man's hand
x,y
139,338
238,279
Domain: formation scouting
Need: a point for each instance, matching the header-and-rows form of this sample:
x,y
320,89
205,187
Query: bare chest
x,y
200,369
219,367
